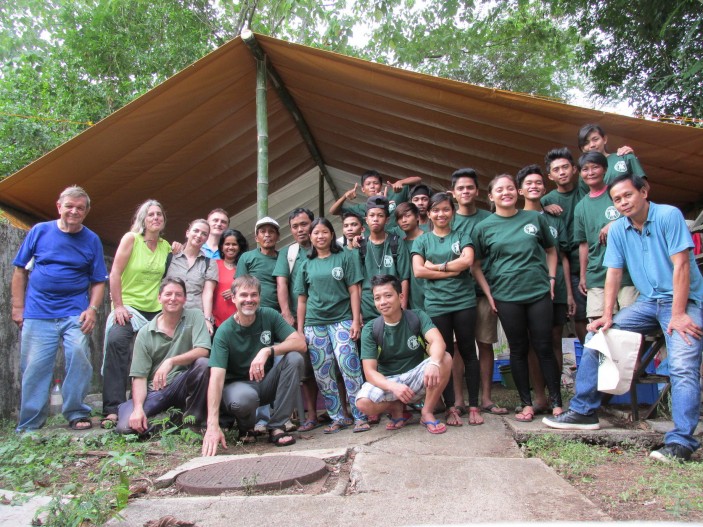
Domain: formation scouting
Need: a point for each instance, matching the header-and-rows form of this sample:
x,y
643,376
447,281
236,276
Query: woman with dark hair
x,y
329,315
136,273
518,249
232,245
443,257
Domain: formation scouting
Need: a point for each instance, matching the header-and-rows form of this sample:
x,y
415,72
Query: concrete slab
x,y
22,510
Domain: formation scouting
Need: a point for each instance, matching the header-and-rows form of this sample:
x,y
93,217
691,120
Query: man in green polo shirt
x,y
261,262
397,372
242,372
169,364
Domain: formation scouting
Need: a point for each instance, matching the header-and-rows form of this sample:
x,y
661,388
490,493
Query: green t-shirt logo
x,y
530,229
391,206
554,231
265,338
413,343
455,248
621,167
611,213
337,273
388,261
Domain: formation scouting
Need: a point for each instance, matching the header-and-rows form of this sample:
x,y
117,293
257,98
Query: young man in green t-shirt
x,y
592,219
381,253
372,185
396,370
465,191
261,262
408,217
562,202
420,197
242,371
592,138
169,364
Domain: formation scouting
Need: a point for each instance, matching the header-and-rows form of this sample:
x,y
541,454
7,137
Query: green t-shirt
x,y
592,214
514,248
394,199
446,295
467,223
143,273
561,241
283,269
379,261
417,285
236,346
618,165
326,281
152,347
256,263
568,201
401,351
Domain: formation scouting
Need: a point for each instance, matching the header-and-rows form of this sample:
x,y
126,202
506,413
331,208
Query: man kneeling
x,y
393,350
252,380
169,366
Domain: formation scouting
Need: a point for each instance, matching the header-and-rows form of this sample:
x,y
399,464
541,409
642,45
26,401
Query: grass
x,y
88,476
675,488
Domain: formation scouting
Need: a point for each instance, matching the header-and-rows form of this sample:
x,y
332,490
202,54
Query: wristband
x,y
552,277
94,308
434,363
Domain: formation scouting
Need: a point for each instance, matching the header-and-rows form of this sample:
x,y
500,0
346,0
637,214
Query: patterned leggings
x,y
325,343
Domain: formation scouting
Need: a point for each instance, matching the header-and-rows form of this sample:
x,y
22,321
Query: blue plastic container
x,y
497,363
646,394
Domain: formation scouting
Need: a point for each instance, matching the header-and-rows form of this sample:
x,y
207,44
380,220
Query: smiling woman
x,y
140,262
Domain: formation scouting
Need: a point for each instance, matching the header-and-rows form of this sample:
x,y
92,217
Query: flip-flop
x,y
439,427
453,411
277,439
374,419
396,424
527,417
475,412
361,426
73,425
309,425
494,409
335,427
108,423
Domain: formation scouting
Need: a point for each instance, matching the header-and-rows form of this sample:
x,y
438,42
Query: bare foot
x,y
475,416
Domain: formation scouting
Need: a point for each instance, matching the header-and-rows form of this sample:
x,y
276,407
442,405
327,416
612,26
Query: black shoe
x,y
571,420
672,452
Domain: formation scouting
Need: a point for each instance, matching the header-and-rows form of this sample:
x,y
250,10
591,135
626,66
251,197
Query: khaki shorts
x,y
413,379
595,302
486,330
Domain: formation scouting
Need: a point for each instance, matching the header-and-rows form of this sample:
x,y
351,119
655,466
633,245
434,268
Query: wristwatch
x,y
210,319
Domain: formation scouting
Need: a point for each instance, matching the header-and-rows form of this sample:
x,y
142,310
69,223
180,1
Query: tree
x,y
649,52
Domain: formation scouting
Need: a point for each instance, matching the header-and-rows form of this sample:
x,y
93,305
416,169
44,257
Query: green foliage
x,y
94,507
647,51
572,459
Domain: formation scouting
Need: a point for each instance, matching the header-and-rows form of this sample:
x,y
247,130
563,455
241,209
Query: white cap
x,y
266,220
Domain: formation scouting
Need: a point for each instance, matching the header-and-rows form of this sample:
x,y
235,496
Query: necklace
x,y
383,256
228,265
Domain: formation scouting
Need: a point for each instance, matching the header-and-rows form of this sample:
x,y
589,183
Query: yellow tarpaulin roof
x,y
191,142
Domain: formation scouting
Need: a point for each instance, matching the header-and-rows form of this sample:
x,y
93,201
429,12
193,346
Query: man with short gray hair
x,y
57,288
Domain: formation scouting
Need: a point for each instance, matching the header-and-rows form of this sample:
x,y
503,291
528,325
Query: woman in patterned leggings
x,y
329,315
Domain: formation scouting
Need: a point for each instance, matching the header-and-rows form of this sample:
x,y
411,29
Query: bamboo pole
x,y
262,130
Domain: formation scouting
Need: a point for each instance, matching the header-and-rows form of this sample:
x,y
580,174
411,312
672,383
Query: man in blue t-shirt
x,y
654,244
57,286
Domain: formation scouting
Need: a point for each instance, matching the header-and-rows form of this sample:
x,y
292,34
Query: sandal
x,y
396,424
73,425
309,425
281,438
475,418
494,409
453,417
526,416
248,438
437,426
336,426
109,422
361,426
374,419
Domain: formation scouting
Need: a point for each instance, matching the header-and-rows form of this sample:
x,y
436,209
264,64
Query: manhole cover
x,y
264,473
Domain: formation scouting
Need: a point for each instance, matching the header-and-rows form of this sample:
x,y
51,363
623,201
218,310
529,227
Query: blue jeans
x,y
646,316
39,345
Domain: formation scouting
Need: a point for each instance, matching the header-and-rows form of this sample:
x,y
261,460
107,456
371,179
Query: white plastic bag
x,y
618,355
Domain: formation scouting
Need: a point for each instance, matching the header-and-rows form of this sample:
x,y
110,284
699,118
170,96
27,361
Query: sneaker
x,y
571,420
672,452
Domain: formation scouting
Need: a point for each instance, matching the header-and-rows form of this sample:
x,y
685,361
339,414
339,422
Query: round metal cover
x,y
263,473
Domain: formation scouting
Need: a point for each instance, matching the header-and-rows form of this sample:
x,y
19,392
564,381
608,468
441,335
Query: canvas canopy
x,y
191,142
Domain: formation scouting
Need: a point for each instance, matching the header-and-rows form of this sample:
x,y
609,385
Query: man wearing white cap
x,y
261,262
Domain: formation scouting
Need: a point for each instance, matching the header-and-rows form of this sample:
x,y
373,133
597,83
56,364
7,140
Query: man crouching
x,y
393,348
242,373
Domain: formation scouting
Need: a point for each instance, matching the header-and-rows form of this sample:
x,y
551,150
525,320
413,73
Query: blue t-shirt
x,y
64,267
647,255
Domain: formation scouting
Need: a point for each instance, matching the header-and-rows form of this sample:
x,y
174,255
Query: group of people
x,y
370,320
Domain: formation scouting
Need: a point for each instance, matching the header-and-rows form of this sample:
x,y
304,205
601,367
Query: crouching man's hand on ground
x,y
213,437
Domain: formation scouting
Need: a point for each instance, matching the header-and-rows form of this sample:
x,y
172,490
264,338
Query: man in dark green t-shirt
x,y
397,372
242,373
169,365
261,262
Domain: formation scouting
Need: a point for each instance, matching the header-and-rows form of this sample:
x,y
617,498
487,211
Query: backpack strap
x,y
413,322
293,250
394,243
169,257
363,246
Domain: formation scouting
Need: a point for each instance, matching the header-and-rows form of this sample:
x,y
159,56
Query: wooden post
x,y
321,193
262,130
